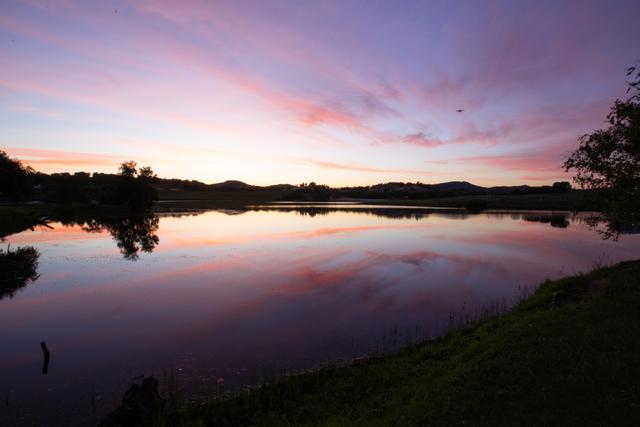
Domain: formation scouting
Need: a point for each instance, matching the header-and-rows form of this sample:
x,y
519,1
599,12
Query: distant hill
x,y
231,185
412,191
387,189
458,186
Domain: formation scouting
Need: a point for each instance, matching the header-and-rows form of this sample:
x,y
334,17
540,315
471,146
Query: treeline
x,y
412,191
138,188
131,187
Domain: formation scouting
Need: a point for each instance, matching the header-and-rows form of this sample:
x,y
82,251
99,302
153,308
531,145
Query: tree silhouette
x,y
133,234
134,188
17,269
146,173
608,160
15,182
128,169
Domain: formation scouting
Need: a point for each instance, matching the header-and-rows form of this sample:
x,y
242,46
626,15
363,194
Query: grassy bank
x,y
19,217
567,355
14,219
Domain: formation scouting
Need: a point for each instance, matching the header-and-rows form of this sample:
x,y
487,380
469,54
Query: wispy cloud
x,y
38,157
292,78
37,111
361,168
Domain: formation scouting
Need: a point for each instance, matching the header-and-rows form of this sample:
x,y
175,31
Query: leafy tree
x,y
608,160
15,178
147,173
135,189
128,169
561,186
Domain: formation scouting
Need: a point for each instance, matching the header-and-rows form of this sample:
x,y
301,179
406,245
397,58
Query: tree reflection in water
x,y
133,234
17,269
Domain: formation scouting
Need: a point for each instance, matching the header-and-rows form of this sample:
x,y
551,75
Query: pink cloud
x,y
107,90
37,111
421,139
292,72
360,168
63,159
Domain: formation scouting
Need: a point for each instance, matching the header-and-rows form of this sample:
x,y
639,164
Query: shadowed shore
x,y
566,355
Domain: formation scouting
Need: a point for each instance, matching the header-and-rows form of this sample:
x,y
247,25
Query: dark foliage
x,y
138,188
16,220
15,178
476,205
412,191
608,160
17,269
133,234
561,187
134,188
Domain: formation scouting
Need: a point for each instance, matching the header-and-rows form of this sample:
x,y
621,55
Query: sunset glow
x,y
337,92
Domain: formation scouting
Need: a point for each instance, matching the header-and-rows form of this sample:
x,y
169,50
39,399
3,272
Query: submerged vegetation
x,y
566,355
18,268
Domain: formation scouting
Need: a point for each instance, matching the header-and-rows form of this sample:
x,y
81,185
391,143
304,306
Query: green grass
x,y
568,355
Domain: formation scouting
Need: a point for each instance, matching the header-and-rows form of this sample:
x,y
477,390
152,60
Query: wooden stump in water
x,y
45,354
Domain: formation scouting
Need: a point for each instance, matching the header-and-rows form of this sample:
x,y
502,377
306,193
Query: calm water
x,y
224,298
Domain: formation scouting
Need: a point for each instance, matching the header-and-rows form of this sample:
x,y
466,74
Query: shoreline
x,y
559,356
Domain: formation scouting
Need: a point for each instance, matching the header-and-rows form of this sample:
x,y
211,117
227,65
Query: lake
x,y
208,301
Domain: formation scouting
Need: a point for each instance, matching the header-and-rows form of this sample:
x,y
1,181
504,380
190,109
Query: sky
x,y
336,92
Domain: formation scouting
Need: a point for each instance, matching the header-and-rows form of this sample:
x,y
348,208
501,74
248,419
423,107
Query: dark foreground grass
x,y
568,355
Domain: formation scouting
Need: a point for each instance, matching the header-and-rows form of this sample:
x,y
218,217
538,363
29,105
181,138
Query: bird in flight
x,y
459,111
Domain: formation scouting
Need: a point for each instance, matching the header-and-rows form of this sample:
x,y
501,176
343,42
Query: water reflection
x,y
230,293
610,225
18,268
397,212
555,220
133,234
